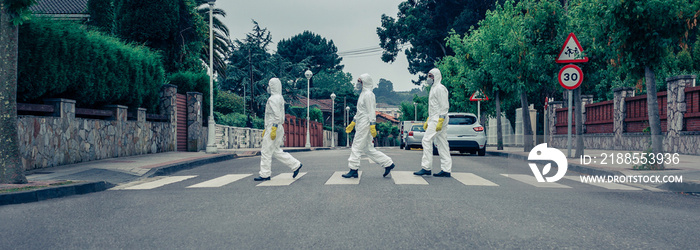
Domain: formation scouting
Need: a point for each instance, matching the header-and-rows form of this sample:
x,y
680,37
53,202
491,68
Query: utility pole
x,y
252,95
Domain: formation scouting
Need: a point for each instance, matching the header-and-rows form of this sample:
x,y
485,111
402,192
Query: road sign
x,y
570,76
571,52
478,96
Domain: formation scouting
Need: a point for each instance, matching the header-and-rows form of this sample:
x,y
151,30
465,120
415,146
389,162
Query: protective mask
x,y
268,90
429,82
358,87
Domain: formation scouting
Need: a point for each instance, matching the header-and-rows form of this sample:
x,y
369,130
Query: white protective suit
x,y
365,117
274,117
438,106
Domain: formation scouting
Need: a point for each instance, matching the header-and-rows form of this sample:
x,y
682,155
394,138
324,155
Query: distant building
x,y
381,117
61,9
391,110
325,105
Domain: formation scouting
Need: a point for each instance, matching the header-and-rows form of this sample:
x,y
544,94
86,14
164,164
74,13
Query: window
x,y
462,120
418,128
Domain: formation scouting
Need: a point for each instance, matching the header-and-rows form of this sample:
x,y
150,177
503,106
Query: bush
x,y
188,81
60,59
227,102
238,120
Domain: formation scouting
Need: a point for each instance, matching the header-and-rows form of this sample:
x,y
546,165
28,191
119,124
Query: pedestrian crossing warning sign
x,y
571,52
478,96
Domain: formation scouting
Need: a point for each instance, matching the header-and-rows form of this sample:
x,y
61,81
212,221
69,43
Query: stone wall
x,y
65,139
229,137
676,140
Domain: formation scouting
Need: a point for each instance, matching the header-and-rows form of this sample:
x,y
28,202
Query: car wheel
x,y
407,147
482,151
401,146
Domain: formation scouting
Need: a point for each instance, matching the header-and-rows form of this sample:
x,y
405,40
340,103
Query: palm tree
x,y
222,40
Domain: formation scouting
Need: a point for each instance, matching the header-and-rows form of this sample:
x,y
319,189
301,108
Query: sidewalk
x,y
688,167
100,175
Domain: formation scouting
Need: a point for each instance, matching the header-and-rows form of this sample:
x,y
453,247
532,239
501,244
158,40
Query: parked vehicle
x,y
405,127
465,134
415,137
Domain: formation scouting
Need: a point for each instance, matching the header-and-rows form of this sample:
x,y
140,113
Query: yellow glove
x,y
273,133
373,130
425,125
439,125
263,133
349,128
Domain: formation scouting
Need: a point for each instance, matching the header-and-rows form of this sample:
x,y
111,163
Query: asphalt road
x,y
377,213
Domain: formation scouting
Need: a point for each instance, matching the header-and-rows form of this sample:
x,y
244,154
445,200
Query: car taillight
x,y
479,129
410,133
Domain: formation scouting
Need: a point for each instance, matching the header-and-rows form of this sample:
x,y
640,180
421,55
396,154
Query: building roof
x,y
59,7
387,117
324,105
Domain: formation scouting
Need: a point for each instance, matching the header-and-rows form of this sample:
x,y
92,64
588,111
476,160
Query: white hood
x,y
436,75
367,83
275,86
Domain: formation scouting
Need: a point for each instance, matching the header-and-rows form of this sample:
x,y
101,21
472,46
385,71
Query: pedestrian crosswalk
x,y
397,177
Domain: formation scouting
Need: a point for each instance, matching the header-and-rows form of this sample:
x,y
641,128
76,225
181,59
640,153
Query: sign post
x,y
478,96
570,76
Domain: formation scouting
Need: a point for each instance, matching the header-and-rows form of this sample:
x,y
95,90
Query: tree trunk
x,y
527,125
653,109
499,130
11,169
579,122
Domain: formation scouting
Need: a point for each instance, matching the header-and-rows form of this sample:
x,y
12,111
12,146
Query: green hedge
x,y
60,59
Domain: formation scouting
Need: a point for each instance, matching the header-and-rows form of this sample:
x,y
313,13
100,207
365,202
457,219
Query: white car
x,y
465,134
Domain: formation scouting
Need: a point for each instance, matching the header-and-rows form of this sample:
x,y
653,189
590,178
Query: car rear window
x,y
462,120
418,128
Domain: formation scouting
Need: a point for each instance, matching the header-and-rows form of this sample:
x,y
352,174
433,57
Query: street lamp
x,y
347,135
211,144
333,120
308,75
415,111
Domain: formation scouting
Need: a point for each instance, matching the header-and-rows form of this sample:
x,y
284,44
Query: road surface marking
x,y
470,179
220,181
529,179
337,179
160,182
611,186
284,179
407,177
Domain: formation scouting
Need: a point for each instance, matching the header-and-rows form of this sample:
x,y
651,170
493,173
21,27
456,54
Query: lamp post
x,y
347,135
415,111
308,75
211,144
333,120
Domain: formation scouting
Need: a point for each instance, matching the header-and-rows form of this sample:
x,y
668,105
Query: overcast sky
x,y
351,24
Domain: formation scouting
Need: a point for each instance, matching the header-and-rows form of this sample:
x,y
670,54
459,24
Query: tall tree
x,y
319,53
12,14
640,32
222,39
172,27
424,25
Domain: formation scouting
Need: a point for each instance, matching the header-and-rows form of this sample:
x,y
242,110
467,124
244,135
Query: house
x,y
391,110
381,117
325,105
76,10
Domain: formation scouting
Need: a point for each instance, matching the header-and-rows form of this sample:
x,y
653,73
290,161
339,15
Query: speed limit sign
x,y
570,76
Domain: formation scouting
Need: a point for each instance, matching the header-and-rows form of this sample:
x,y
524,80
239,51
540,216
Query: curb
x,y
54,192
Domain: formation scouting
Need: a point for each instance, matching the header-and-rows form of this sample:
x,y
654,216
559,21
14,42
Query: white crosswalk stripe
x,y
529,179
399,178
160,182
337,179
284,179
407,178
611,186
220,181
470,179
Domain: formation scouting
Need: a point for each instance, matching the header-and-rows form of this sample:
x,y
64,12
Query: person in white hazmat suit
x,y
365,129
274,133
436,127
